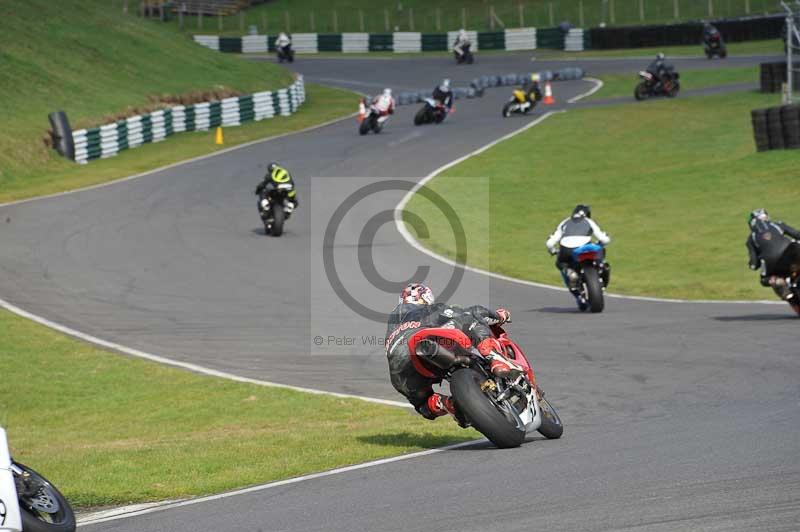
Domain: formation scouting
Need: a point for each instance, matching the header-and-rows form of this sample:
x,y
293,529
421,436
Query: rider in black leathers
x,y
416,311
277,175
443,94
660,69
767,245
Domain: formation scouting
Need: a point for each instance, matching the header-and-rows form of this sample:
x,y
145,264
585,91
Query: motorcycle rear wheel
x,y
551,427
594,291
479,409
35,521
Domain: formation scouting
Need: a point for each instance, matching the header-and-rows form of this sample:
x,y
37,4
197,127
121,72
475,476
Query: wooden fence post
x,y
612,14
200,20
677,10
411,18
550,9
386,20
311,21
287,22
264,22
521,15
438,19
361,20
710,8
746,7
125,7
335,22
491,18
464,17
641,10
580,14
241,21
219,19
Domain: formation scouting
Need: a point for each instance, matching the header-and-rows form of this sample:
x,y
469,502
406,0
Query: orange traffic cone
x,y
362,111
218,137
548,94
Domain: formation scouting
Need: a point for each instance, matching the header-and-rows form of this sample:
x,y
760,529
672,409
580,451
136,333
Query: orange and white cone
x,y
362,111
548,94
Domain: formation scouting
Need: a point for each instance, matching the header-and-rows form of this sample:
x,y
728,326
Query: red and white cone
x,y
548,94
362,111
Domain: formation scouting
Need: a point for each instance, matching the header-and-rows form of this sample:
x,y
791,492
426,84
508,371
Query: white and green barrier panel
x,y
405,41
110,139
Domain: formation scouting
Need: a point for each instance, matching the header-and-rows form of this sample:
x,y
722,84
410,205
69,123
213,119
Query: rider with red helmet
x,y
417,310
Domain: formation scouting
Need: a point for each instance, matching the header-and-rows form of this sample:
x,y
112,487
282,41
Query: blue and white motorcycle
x,y
27,500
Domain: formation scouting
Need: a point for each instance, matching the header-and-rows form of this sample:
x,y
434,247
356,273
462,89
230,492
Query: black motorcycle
x,y
274,207
285,53
433,112
466,55
651,86
715,46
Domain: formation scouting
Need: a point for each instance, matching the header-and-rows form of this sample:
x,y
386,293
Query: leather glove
x,y
552,251
505,315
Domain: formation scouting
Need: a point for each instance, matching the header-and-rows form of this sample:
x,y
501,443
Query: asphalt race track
x,y
678,416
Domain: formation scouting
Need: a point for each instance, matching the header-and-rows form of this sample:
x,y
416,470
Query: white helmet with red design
x,y
417,294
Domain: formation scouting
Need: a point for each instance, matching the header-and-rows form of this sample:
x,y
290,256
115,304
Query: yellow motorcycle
x,y
519,103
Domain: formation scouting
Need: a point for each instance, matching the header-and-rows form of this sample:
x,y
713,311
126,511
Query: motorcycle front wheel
x,y
551,427
278,216
45,510
420,117
479,408
641,92
507,109
364,127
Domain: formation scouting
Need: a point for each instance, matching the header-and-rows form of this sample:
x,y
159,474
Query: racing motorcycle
x,y
274,207
650,85
714,46
433,112
590,271
285,53
466,57
504,409
519,103
787,268
370,120
27,500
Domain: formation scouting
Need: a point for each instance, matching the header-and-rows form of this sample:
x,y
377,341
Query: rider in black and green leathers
x,y
278,177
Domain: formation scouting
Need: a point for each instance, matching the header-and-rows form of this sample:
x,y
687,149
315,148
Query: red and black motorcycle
x,y
502,409
651,86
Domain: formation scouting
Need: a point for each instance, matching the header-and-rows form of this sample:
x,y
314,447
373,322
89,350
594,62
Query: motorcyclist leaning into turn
x,y
443,94
660,69
581,225
417,310
384,103
533,90
767,243
278,177
462,42
283,42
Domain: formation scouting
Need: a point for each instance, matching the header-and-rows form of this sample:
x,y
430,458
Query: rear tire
x,y
465,386
551,427
278,216
641,92
421,116
594,291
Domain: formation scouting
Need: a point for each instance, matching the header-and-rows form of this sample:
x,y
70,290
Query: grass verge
x,y
615,85
89,59
111,430
672,181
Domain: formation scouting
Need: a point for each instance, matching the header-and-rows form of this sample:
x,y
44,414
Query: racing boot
x,y
500,365
781,288
441,405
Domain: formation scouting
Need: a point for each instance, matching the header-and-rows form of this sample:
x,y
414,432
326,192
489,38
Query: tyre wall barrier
x,y
732,30
776,128
773,76
62,134
109,139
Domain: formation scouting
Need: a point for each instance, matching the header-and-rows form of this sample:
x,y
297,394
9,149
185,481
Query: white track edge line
x,y
178,163
401,228
184,365
177,504
598,84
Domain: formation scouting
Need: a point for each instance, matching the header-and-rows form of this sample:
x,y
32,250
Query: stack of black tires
x,y
776,128
773,76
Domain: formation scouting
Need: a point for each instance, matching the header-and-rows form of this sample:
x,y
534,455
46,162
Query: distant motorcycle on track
x,y
651,86
519,103
504,409
371,119
27,500
432,112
